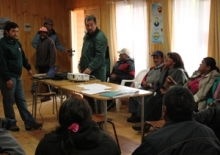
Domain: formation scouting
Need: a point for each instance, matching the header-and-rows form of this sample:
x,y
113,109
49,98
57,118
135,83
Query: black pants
x,y
153,108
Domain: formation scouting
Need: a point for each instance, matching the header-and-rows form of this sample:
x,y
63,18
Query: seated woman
x,y
77,133
123,69
153,106
200,82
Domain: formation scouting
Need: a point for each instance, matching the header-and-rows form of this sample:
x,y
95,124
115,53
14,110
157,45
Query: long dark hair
x,y
177,59
73,110
209,61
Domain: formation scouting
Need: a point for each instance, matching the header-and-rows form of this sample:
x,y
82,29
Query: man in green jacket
x,y
12,58
92,59
94,48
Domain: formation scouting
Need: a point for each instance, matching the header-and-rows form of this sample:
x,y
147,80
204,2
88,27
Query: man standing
x,y
12,58
94,48
46,55
51,33
181,134
147,84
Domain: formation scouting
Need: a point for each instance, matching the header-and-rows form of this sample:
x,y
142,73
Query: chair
x,y
138,79
137,84
99,119
51,94
154,124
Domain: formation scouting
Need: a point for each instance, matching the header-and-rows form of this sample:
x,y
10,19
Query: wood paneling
x,y
35,13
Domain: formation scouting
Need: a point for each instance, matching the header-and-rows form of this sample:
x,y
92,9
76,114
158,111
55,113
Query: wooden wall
x,y
35,13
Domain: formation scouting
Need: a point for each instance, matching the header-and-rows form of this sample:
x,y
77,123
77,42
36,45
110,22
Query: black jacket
x,y
124,70
12,58
89,140
184,138
211,118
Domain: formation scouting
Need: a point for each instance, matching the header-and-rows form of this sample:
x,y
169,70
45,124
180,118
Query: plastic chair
x,y
137,84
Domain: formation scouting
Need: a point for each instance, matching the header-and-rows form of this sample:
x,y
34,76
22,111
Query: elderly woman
x,y
153,106
200,82
77,133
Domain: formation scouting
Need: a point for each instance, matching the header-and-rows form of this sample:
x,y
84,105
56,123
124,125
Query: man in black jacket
x,y
210,117
12,58
181,134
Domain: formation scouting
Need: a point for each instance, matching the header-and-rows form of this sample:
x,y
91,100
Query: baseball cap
x,y
124,51
48,21
157,53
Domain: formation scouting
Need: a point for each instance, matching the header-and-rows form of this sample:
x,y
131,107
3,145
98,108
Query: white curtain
x,y
190,31
131,29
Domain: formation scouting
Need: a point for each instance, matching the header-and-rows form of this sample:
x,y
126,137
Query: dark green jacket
x,y
93,54
12,58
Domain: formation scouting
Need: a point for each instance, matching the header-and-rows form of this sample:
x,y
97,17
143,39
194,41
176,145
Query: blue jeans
x,y
15,95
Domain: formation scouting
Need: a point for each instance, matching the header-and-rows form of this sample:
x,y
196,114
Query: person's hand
x,y
113,76
87,71
146,84
9,84
30,73
169,82
66,50
163,91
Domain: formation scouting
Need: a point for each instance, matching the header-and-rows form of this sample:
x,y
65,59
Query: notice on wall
x,y
2,24
156,26
27,27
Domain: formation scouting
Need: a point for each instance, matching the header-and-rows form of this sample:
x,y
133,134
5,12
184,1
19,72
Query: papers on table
x,y
94,88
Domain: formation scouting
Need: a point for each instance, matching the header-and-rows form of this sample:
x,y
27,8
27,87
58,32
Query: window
x,y
131,29
190,31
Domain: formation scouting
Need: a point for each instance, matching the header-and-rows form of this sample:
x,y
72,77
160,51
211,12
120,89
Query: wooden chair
x,y
51,94
99,119
154,124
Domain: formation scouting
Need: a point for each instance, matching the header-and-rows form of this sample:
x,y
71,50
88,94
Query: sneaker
x,y
45,98
34,126
134,119
137,127
14,128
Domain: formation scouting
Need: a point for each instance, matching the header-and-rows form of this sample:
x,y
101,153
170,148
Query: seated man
x,y
8,144
210,117
181,134
147,84
123,69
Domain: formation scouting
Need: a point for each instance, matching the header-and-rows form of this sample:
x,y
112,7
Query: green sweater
x,y
12,58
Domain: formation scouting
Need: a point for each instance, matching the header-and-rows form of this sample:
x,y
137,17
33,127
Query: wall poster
x,y
2,24
156,26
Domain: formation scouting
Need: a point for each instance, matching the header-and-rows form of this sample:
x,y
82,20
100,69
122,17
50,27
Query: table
x,y
141,94
58,85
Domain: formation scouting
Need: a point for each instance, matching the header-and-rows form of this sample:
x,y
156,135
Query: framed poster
x,y
2,24
156,26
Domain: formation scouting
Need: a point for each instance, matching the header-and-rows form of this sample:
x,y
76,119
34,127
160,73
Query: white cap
x,y
124,51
